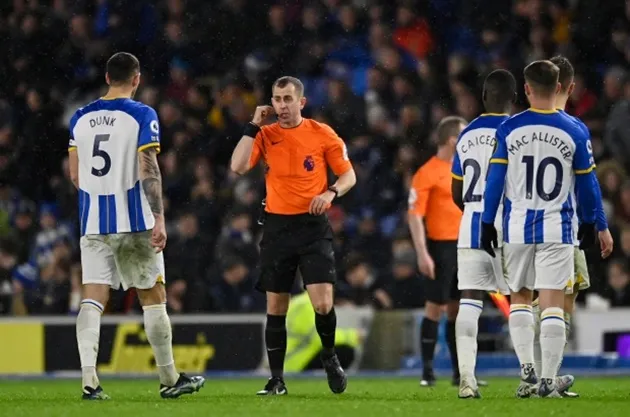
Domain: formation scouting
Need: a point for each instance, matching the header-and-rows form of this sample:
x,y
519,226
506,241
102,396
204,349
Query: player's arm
x,y
149,169
73,166
457,182
249,149
73,155
585,181
495,182
600,214
151,179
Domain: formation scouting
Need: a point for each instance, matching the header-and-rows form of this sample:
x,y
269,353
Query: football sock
x,y
552,340
521,325
466,329
452,346
157,327
88,333
326,325
276,341
537,352
567,329
428,337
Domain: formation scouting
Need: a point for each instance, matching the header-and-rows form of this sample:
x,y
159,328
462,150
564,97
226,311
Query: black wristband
x,y
251,130
333,189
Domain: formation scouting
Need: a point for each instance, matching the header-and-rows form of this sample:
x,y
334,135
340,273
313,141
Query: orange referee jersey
x,y
296,162
430,197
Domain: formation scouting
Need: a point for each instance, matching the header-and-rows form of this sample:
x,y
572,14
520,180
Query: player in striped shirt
x,y
476,271
114,142
540,156
581,279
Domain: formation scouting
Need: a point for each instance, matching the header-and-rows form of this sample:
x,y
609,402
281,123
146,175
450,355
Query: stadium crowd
x,y
381,72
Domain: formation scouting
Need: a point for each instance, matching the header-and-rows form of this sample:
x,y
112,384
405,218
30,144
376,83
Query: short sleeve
x,y
149,135
336,153
419,192
257,150
500,154
583,161
456,170
72,144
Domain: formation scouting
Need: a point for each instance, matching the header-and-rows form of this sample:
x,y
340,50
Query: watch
x,y
333,189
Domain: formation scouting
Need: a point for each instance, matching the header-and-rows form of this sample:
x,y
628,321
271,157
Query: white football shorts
x,y
126,259
543,266
476,270
581,277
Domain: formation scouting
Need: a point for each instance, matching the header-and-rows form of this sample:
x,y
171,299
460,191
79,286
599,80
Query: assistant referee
x,y
297,153
434,222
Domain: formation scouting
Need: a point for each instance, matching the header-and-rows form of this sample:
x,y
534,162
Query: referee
x,y
434,222
297,153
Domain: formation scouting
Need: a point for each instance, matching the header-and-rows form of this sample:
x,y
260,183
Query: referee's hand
x,y
321,203
489,239
261,114
426,265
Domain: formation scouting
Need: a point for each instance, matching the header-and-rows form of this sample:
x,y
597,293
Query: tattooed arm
x,y
152,186
151,180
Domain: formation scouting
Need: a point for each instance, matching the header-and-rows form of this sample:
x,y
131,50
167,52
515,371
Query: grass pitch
x,y
382,397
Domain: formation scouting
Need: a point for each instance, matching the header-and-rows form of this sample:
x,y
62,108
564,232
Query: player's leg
x,y
141,268
435,299
446,267
278,267
554,268
537,351
565,382
519,266
317,266
99,273
157,327
582,281
477,273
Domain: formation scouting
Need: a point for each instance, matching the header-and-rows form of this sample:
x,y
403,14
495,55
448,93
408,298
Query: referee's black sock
x,y
326,325
276,341
451,341
428,337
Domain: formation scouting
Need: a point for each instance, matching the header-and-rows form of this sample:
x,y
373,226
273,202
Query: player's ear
x,y
528,92
558,88
571,88
302,102
136,80
107,78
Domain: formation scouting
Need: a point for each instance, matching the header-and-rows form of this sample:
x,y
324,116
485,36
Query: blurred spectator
x,y
362,287
617,290
231,292
381,73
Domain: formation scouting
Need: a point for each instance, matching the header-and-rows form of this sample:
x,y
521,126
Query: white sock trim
x,y
88,302
471,302
154,307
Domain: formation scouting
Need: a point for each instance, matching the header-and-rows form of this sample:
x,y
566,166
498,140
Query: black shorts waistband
x,y
280,223
295,217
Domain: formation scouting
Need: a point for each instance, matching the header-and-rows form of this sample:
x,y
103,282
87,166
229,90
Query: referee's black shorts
x,y
444,287
292,241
